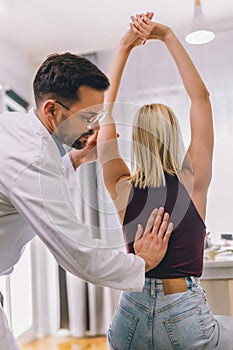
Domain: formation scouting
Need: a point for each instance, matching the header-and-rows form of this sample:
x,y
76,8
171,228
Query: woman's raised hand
x,y
145,28
131,39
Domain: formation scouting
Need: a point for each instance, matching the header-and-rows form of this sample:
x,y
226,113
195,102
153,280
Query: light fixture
x,y
199,31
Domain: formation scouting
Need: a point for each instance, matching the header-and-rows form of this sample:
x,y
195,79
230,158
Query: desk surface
x,y
218,269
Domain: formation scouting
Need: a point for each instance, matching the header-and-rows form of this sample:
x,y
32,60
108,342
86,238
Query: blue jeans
x,y
150,320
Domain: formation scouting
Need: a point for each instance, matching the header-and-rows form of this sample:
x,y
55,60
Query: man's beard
x,y
81,141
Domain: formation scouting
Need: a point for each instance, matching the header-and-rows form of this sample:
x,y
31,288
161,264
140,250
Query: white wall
x,y
16,71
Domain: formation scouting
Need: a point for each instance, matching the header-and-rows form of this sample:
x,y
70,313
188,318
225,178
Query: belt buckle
x,y
174,285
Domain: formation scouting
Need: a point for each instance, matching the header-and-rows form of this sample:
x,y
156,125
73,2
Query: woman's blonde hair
x,y
157,146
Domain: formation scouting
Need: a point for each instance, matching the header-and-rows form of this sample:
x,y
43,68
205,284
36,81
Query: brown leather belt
x,y
174,285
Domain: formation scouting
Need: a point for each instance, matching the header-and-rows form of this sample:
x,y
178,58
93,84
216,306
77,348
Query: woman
x,y
171,312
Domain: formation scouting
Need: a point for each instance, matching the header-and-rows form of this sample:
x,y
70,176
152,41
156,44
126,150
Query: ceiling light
x,y
199,30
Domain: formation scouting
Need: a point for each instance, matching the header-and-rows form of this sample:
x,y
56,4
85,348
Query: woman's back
x,y
185,254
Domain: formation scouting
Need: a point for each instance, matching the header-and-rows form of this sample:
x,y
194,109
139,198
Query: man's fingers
x,y
157,220
162,226
168,233
151,220
139,232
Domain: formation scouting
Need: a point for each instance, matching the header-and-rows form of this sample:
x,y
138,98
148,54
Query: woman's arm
x,y
129,41
113,166
201,146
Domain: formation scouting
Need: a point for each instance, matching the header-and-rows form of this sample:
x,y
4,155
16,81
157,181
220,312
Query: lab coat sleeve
x,y
40,194
69,172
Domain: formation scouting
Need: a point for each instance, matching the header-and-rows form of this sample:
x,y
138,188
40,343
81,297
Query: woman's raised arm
x,y
113,166
200,150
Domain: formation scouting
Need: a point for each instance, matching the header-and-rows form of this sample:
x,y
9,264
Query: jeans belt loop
x,y
152,290
194,281
174,285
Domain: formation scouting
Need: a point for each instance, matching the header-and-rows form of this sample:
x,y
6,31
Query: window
x,y
14,102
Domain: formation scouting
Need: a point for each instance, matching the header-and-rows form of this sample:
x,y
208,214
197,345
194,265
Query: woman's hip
x,y
152,320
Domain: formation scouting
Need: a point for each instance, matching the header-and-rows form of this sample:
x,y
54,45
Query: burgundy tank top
x,y
184,256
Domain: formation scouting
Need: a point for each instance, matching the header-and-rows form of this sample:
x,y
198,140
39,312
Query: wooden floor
x,y
68,343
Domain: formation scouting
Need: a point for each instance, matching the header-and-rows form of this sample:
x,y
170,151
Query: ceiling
x,y
41,27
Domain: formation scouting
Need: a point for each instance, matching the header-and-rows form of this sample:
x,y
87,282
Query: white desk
x,y
217,280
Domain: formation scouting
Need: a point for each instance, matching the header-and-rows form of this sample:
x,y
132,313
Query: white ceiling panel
x,y
82,26
218,10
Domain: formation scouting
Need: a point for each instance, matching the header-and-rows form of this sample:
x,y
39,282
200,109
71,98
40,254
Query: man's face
x,y
74,124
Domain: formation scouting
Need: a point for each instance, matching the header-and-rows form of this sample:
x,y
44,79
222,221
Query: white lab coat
x,y
35,200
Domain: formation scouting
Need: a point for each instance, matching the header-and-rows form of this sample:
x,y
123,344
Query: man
x,y
34,195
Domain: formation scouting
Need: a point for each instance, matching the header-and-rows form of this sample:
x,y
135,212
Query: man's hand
x,y
152,244
87,154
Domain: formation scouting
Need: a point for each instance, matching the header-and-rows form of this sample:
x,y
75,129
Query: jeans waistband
x,y
173,285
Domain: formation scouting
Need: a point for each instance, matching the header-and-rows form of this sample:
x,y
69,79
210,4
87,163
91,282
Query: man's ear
x,y
49,108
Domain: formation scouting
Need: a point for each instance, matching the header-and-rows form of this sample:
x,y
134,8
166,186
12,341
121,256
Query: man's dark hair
x,y
61,75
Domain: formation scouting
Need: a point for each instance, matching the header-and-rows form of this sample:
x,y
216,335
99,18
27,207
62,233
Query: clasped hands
x,y
142,28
